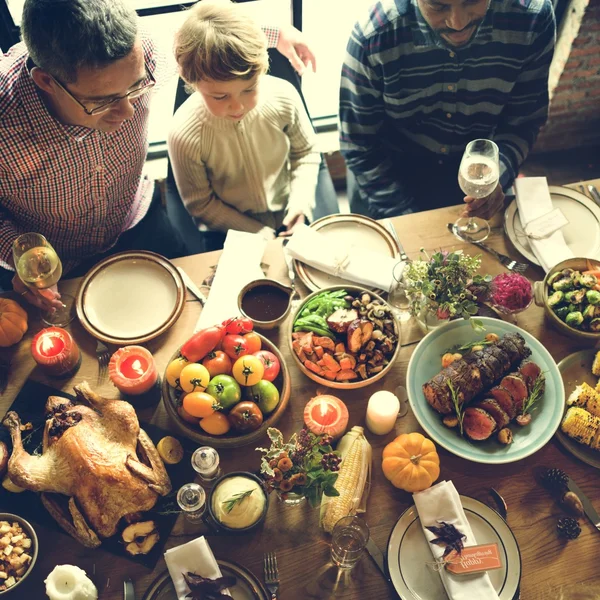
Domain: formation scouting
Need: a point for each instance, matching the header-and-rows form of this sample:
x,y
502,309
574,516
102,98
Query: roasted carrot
x,y
325,342
331,363
345,375
339,347
311,366
319,351
348,362
329,374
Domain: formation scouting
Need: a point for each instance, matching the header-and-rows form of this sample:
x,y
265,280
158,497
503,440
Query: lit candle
x,y
326,415
55,351
132,370
382,412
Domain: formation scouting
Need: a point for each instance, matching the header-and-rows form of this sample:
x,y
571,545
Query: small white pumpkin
x,y
68,582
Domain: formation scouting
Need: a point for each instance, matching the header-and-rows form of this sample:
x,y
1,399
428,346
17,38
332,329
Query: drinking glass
x,y
478,177
397,297
39,267
348,540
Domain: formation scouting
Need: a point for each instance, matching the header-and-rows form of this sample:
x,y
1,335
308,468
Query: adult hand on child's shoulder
x,y
486,207
292,44
47,300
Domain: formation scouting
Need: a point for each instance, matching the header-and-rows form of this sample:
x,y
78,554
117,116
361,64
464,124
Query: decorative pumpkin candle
x,y
382,412
55,352
326,414
132,370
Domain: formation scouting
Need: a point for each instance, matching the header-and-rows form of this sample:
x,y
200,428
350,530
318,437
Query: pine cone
x,y
568,528
555,480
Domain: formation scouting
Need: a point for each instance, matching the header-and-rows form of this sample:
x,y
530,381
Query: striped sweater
x,y
406,93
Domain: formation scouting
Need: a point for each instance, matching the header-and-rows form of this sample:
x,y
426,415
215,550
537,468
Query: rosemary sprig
x,y
231,502
536,393
457,406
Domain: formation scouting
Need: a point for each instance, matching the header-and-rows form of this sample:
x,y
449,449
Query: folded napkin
x,y
196,557
442,503
534,201
239,264
347,261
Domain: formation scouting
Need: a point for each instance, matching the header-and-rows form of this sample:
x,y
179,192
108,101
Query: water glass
x,y
348,540
397,297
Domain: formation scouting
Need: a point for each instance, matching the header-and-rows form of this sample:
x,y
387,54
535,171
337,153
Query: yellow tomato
x,y
248,370
174,370
194,378
199,404
215,424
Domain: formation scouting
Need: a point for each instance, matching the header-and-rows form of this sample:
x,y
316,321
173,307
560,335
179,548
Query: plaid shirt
x,y
79,187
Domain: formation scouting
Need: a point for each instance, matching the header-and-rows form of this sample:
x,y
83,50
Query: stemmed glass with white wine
x,y
478,177
39,267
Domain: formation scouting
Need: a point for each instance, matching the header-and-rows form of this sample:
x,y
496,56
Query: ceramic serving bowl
x,y
215,521
268,296
33,551
541,294
171,398
356,383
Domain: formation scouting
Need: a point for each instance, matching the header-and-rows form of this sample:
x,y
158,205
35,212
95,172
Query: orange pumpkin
x,y
13,322
411,462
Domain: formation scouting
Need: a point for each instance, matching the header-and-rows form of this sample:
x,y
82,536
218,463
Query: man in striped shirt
x,y
422,78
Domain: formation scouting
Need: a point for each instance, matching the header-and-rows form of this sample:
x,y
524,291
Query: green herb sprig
x,y
536,393
231,502
457,405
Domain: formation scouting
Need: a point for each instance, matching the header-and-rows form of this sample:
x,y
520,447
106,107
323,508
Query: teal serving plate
x,y
426,361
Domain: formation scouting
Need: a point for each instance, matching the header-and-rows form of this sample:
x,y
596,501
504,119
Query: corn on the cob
x,y
355,473
585,396
580,425
596,364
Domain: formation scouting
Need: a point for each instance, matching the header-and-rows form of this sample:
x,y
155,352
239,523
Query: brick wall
x,y
574,118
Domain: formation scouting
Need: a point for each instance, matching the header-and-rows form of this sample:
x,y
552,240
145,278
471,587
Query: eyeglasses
x,y
144,88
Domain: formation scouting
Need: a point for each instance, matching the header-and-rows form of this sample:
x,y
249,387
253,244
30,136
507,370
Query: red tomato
x,y
235,346
254,343
271,363
202,342
217,363
238,325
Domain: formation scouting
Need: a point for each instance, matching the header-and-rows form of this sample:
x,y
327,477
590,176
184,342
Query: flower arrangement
x,y
306,465
445,284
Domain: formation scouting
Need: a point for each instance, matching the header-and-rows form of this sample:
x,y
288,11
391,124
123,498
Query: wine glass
x,y
478,177
39,267
397,297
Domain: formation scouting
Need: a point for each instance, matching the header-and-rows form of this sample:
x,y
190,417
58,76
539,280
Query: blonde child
x,y
241,146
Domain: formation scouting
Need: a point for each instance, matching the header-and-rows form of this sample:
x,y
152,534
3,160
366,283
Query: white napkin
x,y
239,264
196,557
348,261
534,201
442,503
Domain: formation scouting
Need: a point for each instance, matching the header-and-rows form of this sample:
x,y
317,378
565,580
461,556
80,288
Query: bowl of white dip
x,y
238,502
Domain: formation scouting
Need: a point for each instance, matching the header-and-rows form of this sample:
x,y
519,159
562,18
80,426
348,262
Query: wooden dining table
x,y
303,550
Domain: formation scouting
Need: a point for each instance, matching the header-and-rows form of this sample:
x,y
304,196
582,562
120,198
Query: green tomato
x,y
265,394
225,389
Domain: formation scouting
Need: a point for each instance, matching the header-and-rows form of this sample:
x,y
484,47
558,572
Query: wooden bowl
x,y
171,400
33,551
343,385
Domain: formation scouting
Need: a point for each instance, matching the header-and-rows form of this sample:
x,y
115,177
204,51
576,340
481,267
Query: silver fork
x,y
271,574
507,261
103,356
392,230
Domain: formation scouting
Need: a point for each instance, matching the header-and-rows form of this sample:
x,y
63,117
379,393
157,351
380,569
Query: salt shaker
x,y
191,498
205,462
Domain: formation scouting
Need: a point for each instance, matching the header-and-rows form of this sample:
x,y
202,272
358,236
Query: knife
x,y
192,286
588,508
378,559
128,591
392,230
594,193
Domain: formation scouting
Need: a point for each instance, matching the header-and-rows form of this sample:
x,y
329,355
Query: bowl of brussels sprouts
x,y
570,295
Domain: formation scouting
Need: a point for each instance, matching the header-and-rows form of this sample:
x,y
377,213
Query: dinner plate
x,y
347,230
582,234
130,297
247,587
575,369
408,554
425,362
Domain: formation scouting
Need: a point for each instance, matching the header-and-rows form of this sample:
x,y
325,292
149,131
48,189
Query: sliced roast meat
x,y
530,372
493,407
478,424
501,356
504,399
517,388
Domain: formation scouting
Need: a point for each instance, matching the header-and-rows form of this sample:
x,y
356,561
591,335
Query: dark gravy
x,y
265,302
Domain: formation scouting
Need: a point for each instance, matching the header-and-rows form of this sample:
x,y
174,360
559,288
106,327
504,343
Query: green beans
x,y
313,317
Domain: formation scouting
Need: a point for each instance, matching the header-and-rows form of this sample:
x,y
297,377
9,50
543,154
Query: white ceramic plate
x,y
346,230
130,297
408,552
582,234
575,369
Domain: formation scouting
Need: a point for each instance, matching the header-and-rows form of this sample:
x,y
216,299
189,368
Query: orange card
x,y
474,559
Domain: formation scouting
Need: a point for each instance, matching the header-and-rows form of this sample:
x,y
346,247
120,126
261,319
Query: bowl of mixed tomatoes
x,y
226,385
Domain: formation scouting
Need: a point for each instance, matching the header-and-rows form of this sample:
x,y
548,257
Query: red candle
x,y
326,414
132,370
55,351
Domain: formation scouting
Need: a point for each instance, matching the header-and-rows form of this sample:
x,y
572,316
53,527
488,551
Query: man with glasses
x,y
74,106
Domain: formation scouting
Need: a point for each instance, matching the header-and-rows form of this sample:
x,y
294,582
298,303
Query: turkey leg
x,y
155,474
73,522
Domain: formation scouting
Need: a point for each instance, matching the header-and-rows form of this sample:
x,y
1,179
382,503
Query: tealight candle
x,y
55,352
326,414
382,412
132,370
